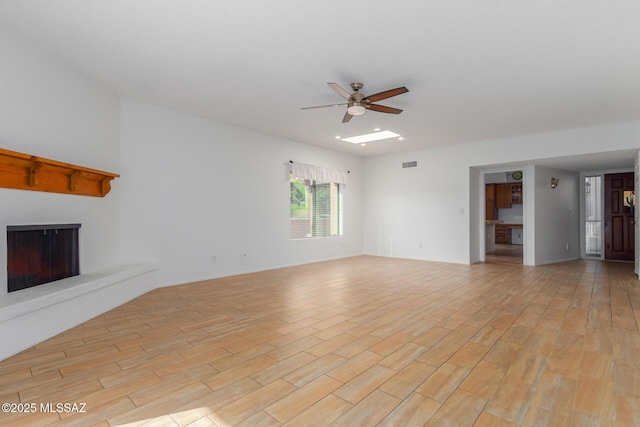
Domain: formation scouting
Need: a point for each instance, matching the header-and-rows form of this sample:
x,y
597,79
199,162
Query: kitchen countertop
x,y
501,222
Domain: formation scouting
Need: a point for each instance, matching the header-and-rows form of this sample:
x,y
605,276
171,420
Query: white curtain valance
x,y
315,173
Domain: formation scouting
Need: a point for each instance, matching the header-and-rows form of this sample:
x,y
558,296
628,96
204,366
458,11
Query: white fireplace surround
x,y
30,316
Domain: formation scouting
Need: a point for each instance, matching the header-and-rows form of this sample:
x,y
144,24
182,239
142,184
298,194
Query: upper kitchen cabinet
x,y
516,193
503,196
508,194
491,209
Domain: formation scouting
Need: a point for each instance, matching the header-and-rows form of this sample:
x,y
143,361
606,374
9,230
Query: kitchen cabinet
x,y
491,209
516,193
508,194
503,196
503,235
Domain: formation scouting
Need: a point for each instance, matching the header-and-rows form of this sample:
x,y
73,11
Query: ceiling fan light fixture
x,y
356,110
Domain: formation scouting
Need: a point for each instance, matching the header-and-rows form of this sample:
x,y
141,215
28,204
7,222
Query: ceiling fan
x,y
357,103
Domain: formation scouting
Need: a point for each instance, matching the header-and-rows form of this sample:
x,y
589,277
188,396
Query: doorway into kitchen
x,y
504,217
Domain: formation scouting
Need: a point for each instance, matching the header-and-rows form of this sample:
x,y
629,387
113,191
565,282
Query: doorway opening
x,y
504,217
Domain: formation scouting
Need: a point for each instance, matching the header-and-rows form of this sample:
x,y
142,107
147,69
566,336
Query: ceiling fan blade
x,y
384,109
387,94
346,117
323,106
343,93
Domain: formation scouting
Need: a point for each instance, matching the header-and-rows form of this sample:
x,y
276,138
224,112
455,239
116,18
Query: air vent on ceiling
x,y
413,164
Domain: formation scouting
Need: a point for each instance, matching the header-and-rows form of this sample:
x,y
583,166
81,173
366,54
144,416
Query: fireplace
x,y
38,254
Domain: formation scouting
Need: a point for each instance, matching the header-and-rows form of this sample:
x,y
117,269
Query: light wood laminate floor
x,y
362,341
511,254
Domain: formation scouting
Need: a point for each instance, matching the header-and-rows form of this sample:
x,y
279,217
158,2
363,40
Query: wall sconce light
x,y
554,182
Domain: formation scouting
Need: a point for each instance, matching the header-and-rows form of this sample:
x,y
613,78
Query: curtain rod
x,y
291,161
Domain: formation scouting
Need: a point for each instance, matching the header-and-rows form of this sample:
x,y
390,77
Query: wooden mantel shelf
x,y
26,172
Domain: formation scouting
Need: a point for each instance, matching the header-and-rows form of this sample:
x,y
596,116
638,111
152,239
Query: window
x,y
593,215
315,208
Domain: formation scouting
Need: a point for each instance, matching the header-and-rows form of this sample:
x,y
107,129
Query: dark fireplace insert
x,y
38,254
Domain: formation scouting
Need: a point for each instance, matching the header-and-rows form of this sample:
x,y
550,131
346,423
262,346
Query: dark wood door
x,y
618,219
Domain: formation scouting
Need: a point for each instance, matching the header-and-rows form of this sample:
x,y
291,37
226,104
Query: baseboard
x,y
250,271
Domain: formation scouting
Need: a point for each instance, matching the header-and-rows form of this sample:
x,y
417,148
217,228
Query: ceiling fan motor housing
x,y
356,99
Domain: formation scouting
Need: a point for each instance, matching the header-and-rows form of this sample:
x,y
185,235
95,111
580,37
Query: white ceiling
x,y
475,70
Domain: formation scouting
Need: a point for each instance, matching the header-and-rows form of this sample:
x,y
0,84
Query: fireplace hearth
x,y
38,254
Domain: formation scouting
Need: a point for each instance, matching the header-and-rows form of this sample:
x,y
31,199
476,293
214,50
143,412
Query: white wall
x,y
512,215
49,110
420,212
192,189
557,216
476,210
424,212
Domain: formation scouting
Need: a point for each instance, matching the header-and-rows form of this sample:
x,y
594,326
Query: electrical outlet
x,y
568,246
214,259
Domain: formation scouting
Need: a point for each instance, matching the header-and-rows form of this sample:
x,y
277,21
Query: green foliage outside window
x,y
315,209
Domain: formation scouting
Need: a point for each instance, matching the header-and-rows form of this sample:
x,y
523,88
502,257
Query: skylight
x,y
376,136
